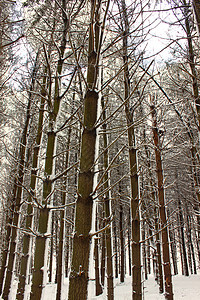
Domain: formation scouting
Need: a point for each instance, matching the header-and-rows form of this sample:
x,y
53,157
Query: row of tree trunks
x,y
19,191
27,239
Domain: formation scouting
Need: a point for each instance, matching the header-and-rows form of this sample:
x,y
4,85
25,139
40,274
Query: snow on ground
x,y
185,288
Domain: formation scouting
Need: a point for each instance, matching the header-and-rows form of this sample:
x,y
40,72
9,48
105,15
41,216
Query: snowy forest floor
x,y
184,288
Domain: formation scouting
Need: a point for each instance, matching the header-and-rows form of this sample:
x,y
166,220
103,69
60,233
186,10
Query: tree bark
x,y
40,258
163,218
78,281
135,210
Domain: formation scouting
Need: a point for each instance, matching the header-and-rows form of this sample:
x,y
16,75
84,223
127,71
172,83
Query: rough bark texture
x,y
107,205
6,245
25,260
163,218
135,215
81,243
62,225
122,269
44,217
78,281
184,253
18,199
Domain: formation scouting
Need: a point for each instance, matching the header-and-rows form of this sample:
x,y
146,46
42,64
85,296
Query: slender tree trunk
x,y
163,218
144,254
129,243
25,260
173,250
185,262
62,224
158,250
4,254
52,248
122,275
107,205
98,286
191,243
103,257
135,215
40,258
115,248
19,193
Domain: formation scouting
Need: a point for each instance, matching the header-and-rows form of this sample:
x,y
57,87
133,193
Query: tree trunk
x,y
107,205
122,275
27,239
62,225
103,256
4,254
185,262
19,193
135,215
173,249
78,281
40,259
98,286
115,248
129,243
163,218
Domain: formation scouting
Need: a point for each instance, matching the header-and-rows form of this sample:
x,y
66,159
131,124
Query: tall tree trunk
x,y
40,258
185,262
115,248
158,250
122,275
173,249
98,286
129,243
135,215
19,191
190,242
62,223
103,256
144,254
27,239
4,254
51,249
163,218
78,281
108,212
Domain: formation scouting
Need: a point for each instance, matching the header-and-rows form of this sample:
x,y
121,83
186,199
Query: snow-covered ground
x,y
186,288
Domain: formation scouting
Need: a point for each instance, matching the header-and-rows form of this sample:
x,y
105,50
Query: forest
x,y
99,146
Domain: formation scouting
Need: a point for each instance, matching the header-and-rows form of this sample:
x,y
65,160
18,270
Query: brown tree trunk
x,y
184,253
122,275
98,286
103,256
27,239
158,250
163,218
62,223
41,243
135,215
18,196
115,248
78,281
